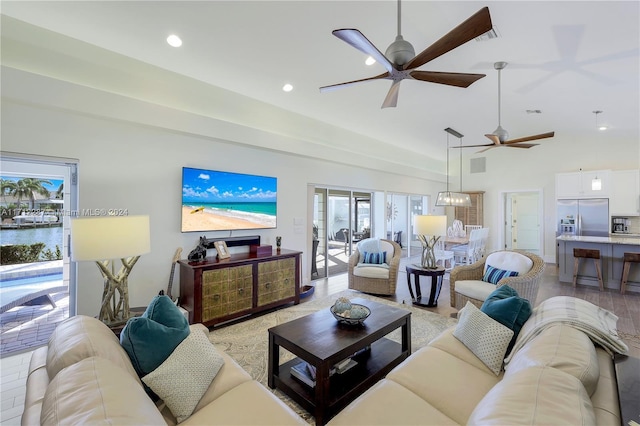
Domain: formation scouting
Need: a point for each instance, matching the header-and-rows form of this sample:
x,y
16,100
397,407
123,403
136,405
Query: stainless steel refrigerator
x,y
584,217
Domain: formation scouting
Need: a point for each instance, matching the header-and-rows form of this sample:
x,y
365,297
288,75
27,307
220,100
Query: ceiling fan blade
x,y
392,96
450,78
487,149
530,138
493,138
521,145
474,146
473,27
324,89
356,39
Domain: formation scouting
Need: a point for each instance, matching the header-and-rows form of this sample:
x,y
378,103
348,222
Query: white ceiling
x,y
566,59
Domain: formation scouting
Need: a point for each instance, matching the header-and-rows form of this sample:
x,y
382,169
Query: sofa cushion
x,y
505,306
485,337
185,375
536,395
564,348
151,338
493,275
605,399
475,289
80,337
371,271
388,403
509,260
97,391
448,343
438,377
249,403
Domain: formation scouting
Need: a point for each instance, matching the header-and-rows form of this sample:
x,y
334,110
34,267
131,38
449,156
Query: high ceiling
x,y
566,59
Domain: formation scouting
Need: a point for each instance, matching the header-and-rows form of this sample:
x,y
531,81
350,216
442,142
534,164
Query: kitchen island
x,y
611,249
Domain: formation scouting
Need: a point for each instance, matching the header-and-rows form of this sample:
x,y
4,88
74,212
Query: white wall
x,y
134,166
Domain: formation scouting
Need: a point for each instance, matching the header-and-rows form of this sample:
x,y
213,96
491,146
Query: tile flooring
x,y
13,369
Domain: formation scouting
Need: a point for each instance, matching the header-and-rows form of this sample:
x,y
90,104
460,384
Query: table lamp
x,y
104,239
429,229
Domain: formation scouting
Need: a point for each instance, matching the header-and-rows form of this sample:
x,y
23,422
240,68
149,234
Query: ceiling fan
x,y
500,137
401,62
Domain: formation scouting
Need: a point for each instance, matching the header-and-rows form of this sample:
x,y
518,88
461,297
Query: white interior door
x,y
526,222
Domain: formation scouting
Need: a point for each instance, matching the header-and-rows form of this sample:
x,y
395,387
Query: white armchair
x,y
372,278
465,282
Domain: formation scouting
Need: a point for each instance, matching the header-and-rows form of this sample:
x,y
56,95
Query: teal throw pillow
x,y
493,275
505,306
375,258
152,337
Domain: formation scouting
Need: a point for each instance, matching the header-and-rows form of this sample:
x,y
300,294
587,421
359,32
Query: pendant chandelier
x,y
450,198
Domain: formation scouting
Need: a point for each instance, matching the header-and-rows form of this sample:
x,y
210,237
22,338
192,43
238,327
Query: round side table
x,y
436,284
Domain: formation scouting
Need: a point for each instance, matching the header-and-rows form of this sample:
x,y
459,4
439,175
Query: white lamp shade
x,y
435,226
109,237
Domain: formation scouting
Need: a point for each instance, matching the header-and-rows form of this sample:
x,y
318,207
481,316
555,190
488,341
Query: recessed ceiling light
x,y
287,87
174,40
370,61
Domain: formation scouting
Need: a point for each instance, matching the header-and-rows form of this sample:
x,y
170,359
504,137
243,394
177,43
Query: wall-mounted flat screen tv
x,y
225,201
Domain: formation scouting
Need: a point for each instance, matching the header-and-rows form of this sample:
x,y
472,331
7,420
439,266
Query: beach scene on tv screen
x,y
220,201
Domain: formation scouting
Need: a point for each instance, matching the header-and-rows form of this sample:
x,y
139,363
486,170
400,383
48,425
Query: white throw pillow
x,y
510,261
484,336
183,378
370,245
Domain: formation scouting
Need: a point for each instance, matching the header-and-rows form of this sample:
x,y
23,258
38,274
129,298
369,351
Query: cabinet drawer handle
x,y
241,290
216,297
267,285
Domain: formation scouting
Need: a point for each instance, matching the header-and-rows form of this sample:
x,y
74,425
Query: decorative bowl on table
x,y
354,315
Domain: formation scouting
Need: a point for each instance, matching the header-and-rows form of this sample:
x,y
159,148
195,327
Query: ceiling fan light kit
x,y
599,127
401,62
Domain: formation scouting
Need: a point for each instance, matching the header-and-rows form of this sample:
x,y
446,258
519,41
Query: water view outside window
x,y
31,265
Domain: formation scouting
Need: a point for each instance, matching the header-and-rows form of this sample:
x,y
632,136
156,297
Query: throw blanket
x,y
597,323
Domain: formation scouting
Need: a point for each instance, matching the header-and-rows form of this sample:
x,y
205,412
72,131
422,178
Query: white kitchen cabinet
x,y
579,184
624,199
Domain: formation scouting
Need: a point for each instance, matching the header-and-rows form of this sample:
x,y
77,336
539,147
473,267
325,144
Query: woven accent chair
x,y
471,288
385,284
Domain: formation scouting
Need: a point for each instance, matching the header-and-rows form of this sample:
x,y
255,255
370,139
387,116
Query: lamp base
x,y
114,310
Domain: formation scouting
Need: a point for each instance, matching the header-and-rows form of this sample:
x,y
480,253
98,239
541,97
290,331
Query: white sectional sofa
x,y
560,377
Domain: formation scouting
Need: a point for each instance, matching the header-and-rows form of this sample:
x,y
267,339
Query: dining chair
x,y
470,252
443,256
469,228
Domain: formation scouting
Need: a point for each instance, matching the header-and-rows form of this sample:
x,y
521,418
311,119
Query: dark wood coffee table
x,y
322,341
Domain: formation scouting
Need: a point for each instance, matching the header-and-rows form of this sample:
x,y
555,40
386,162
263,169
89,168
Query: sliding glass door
x,y
400,211
341,218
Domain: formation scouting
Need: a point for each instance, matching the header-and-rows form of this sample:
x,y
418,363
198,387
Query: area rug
x,y
247,341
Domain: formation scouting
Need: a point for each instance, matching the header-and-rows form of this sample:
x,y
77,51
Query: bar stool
x,y
628,258
587,254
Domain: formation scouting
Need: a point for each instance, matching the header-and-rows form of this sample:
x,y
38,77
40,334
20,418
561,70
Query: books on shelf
x,y
306,372
345,366
302,373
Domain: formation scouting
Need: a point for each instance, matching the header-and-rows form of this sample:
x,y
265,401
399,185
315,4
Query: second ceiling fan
x,y
400,62
500,137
